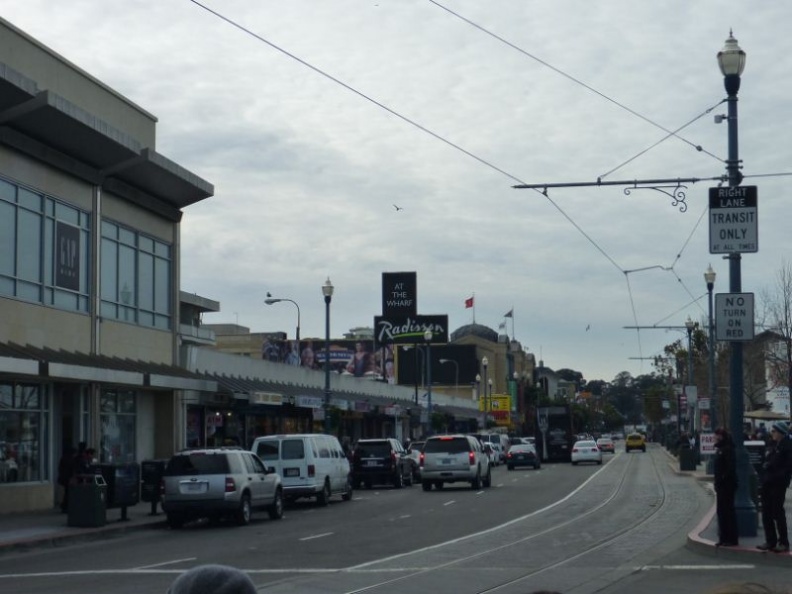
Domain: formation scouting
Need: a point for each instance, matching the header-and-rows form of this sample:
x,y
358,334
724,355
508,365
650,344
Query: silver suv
x,y
213,483
454,458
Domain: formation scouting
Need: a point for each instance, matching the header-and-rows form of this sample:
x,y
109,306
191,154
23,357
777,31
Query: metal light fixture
x,y
456,367
484,364
709,278
327,291
428,339
273,300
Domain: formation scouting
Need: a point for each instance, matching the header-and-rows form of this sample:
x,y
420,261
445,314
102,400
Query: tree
x,y
777,301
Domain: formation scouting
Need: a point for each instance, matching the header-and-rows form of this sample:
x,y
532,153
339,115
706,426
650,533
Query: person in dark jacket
x,y
776,474
725,470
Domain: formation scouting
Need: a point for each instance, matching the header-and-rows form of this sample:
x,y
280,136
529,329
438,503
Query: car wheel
x,y
244,512
398,480
175,521
276,507
574,463
510,467
427,485
408,480
537,466
323,498
643,449
487,481
439,484
347,495
599,462
475,484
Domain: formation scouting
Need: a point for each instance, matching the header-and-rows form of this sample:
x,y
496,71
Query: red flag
x,y
468,303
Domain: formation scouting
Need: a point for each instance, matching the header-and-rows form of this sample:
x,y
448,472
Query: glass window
x,y
109,270
7,235
118,427
293,449
29,246
162,286
22,431
29,199
7,191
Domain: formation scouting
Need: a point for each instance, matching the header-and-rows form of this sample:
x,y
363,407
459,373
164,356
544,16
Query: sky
x,y
314,118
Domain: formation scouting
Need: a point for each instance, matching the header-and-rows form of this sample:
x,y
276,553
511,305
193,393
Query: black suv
x,y
381,461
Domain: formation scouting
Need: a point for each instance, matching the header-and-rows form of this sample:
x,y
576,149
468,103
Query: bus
x,y
555,434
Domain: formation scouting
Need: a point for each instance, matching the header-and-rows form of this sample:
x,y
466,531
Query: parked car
x,y
218,482
606,445
522,454
381,462
310,465
454,458
586,451
414,452
635,441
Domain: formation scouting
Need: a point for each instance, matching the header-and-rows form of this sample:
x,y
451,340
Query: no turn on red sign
x,y
734,316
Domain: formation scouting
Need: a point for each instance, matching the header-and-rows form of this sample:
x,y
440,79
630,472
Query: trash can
x,y
87,501
687,460
151,473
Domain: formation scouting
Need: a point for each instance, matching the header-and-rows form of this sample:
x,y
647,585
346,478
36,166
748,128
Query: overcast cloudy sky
x,y
307,168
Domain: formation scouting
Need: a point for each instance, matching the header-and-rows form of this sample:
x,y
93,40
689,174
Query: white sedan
x,y
586,451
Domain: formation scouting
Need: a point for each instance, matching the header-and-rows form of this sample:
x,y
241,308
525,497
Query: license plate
x,y
195,487
291,472
446,461
520,457
372,463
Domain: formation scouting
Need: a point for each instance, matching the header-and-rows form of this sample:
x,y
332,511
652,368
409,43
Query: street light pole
x,y
731,60
327,291
484,364
489,396
428,339
709,278
456,365
690,325
272,300
478,396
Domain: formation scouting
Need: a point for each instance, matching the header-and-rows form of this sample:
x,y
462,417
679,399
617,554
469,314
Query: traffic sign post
x,y
734,316
733,220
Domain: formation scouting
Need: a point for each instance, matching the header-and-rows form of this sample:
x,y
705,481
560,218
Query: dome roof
x,y
478,330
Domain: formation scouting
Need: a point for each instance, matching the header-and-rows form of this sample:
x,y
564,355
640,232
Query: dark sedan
x,y
522,454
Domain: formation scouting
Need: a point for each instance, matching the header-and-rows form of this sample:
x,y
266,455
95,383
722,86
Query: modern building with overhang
x,y
89,274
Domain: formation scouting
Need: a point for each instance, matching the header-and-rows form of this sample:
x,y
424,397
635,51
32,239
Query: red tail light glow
x,y
311,470
421,460
472,458
230,485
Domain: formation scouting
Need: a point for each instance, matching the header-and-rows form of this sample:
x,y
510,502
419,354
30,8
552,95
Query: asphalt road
x,y
615,529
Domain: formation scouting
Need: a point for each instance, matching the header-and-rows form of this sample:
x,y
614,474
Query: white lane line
x,y
452,502
405,516
693,567
317,536
167,563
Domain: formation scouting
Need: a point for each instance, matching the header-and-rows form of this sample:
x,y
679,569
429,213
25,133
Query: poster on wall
x,y
67,256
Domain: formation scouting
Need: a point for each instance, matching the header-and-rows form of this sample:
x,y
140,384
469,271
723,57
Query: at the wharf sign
x,y
399,294
733,220
734,316
409,329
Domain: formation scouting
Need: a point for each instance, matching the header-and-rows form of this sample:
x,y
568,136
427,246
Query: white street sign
x,y
733,220
734,316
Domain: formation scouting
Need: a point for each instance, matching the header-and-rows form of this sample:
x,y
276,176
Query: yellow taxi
x,y
635,441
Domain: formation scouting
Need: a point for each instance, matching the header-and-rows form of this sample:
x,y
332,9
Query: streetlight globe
x,y
428,336
690,324
731,59
327,288
478,378
709,276
489,381
484,362
516,376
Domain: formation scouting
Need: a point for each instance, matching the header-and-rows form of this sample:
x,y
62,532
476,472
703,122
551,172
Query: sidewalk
x,y
20,531
703,537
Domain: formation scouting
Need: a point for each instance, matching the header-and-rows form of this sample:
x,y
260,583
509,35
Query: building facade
x,y
89,274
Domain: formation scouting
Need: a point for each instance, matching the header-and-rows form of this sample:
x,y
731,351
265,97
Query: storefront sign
x,y
67,256
266,398
362,406
310,401
410,329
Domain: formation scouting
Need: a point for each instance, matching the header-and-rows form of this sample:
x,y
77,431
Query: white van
x,y
310,465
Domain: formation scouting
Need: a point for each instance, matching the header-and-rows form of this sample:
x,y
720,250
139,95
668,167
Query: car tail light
x,y
472,458
311,470
509,455
574,449
230,485
393,458
421,460
162,487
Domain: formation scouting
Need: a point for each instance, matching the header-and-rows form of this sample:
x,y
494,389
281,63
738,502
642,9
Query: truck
x,y
555,433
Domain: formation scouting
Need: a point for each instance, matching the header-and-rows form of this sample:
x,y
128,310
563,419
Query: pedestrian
x,y
725,470
776,474
65,467
213,579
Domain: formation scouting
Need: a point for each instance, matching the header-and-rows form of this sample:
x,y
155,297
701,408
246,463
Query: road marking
x,y
317,536
167,563
452,502
692,567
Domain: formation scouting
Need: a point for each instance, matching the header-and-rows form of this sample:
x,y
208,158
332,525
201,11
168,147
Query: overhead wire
x,y
454,145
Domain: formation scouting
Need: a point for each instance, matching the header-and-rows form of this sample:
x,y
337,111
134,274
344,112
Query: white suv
x,y
211,483
454,458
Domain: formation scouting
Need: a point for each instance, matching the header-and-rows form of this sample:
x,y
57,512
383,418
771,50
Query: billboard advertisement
x,y
410,329
399,294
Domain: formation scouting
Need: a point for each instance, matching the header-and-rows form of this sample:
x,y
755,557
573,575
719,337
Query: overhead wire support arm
x,y
677,185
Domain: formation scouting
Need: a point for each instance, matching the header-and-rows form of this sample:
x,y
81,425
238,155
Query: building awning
x,y
59,365
51,128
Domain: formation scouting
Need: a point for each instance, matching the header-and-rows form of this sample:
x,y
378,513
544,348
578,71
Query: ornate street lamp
x,y
428,339
327,291
709,278
484,364
478,397
690,325
731,60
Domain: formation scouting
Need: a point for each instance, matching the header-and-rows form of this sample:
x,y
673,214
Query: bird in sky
x,y
398,208
588,327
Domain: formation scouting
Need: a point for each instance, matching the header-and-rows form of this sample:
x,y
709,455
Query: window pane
x,y
126,274
28,291
27,396
126,402
162,286
109,230
126,236
108,401
109,270
146,280
146,244
67,213
109,310
29,246
117,439
85,252
29,199
6,396
162,249
7,191
7,238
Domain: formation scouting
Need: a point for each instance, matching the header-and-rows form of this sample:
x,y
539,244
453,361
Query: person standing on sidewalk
x,y
776,474
725,471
